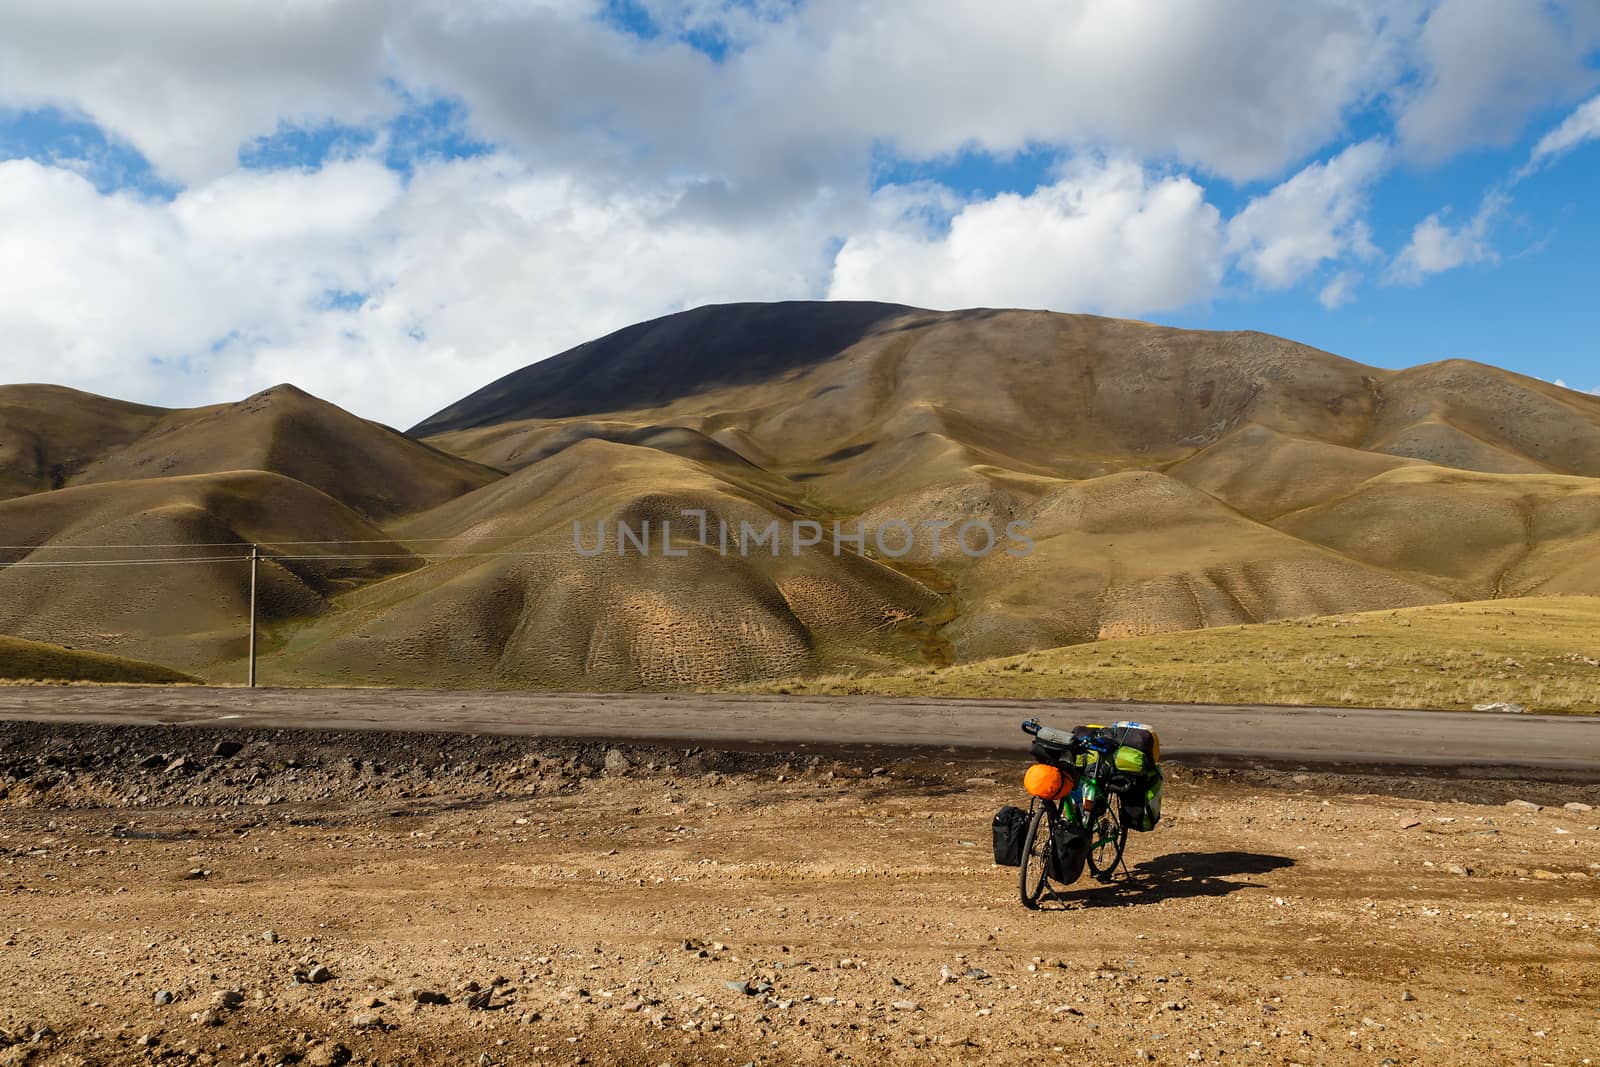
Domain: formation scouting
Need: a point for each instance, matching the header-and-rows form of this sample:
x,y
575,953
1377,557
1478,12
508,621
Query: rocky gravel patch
x,y
508,901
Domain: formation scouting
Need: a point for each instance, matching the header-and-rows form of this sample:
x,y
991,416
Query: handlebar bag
x,y
1085,761
1010,832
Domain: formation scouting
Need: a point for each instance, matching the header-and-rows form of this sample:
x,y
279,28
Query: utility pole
x,y
255,563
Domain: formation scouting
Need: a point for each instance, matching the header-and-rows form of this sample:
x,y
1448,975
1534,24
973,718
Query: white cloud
x,y
1106,237
1436,246
1236,87
187,81
1313,218
1221,84
473,269
1488,64
1339,291
1577,128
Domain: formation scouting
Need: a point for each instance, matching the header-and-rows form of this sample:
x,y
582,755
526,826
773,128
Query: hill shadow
x,y
1178,876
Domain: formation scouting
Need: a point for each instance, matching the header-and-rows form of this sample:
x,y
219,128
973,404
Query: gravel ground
x,y
387,898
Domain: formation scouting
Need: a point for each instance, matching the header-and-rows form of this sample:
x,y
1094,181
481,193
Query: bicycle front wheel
x,y
1034,876
1106,842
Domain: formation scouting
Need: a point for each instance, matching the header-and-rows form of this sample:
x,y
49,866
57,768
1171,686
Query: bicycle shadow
x,y
1177,876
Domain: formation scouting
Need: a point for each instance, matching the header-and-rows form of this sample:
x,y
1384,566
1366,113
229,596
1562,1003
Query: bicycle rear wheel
x,y
1106,842
1034,875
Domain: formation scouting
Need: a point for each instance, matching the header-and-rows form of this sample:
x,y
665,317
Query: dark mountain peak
x,y
655,362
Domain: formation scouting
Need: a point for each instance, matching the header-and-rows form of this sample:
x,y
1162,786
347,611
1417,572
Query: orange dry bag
x,y
1047,782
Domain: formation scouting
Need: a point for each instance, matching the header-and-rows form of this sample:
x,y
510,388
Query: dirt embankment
x,y
375,898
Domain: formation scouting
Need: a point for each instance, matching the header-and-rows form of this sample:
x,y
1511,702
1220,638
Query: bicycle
x,y
1080,827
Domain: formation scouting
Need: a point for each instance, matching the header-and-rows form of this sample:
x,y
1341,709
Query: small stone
x,y
367,1020
329,1054
427,996
480,999
319,974
270,937
1578,806
273,1055
1546,876
226,749
227,998
195,874
163,997
906,1005
208,1017
1407,824
947,976
617,762
1407,995
982,781
977,974
1523,805
1457,869
1172,1005
741,987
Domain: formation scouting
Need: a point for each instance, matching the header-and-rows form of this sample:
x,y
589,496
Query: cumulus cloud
x,y
187,81
1106,237
1313,218
1436,246
385,298
1488,64
802,93
932,77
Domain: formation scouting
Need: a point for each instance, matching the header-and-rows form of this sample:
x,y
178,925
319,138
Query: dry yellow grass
x,y
1541,653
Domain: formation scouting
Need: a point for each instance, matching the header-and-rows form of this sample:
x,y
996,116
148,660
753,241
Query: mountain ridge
x,y
1172,479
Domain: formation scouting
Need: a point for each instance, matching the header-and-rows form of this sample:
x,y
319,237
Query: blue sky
x,y
392,204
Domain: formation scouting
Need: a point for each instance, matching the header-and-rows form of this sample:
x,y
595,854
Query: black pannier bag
x,y
1010,834
1141,806
1071,849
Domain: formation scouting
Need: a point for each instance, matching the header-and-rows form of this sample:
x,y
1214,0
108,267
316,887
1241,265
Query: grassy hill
x,y
36,661
1538,652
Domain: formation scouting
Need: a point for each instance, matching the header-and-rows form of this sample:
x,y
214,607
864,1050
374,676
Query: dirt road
x,y
390,898
1553,746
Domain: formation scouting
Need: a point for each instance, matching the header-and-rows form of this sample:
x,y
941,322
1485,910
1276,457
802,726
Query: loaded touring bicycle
x,y
1089,787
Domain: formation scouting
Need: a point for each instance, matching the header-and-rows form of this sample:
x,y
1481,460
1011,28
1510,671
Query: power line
x,y
246,544
123,562
342,556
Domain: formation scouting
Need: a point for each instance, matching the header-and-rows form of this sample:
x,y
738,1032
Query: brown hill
x,y
48,434
1166,479
373,469
521,606
186,600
